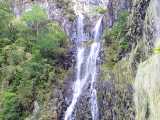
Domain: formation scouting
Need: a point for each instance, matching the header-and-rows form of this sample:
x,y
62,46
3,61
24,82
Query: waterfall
x,y
77,87
80,28
97,29
147,82
86,68
90,71
96,46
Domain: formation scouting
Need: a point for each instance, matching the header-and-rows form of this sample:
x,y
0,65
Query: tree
x,y
35,17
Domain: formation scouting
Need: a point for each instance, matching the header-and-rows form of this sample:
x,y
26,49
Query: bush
x,y
119,28
115,39
52,37
5,16
118,31
11,108
52,42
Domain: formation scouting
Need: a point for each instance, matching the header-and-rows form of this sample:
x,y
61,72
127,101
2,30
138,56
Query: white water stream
x,y
96,48
86,68
90,70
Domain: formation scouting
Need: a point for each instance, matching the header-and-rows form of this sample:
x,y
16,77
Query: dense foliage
x,y
117,32
115,39
31,48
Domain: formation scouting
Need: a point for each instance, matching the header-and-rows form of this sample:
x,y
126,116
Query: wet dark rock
x,y
136,21
115,103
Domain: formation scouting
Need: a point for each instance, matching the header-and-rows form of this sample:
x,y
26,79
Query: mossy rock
x,y
101,10
123,72
111,54
106,73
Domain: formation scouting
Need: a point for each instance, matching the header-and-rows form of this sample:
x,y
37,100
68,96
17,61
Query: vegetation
x,y
117,32
115,39
101,10
157,49
32,53
117,72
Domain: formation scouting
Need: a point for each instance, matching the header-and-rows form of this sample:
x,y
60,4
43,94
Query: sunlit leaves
x,y
35,15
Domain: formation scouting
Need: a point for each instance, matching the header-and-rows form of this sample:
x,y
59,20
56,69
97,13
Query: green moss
x,y
105,72
101,10
123,72
156,50
124,45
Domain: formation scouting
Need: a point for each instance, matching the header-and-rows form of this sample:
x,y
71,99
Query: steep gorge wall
x,y
119,68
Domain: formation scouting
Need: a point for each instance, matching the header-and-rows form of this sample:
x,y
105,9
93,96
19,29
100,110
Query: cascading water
x,y
80,27
97,29
147,83
86,60
96,46
77,88
90,70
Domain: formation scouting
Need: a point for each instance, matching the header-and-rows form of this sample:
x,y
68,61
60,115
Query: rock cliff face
x,y
119,68
115,85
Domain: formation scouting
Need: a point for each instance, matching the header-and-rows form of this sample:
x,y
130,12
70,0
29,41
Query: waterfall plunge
x,y
147,83
96,46
90,70
77,87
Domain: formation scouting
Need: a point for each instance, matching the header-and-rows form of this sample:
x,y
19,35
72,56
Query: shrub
x,y
11,108
115,39
119,28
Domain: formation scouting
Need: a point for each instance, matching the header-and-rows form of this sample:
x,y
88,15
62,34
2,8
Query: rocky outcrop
x,y
114,8
117,93
136,23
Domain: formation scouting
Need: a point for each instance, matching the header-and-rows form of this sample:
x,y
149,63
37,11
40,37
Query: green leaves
x,y
118,31
10,107
52,37
5,16
35,16
115,39
32,53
